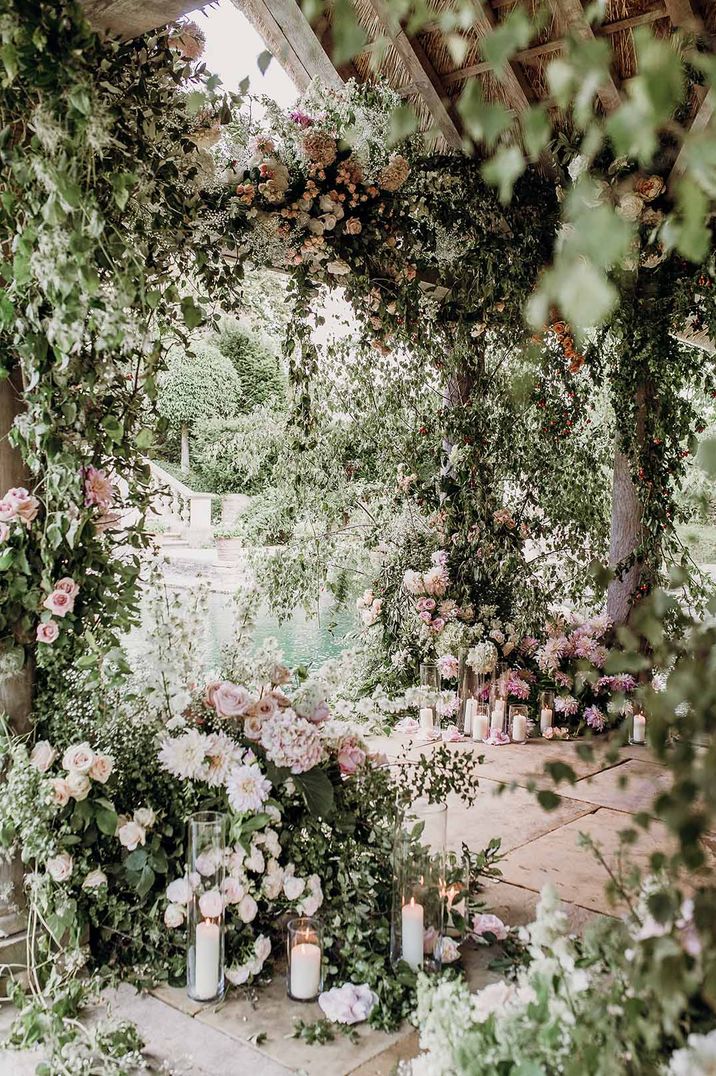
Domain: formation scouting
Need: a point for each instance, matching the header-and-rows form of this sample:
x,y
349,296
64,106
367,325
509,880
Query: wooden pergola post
x,y
15,691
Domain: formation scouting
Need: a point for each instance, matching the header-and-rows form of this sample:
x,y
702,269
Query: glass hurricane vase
x,y
205,912
418,914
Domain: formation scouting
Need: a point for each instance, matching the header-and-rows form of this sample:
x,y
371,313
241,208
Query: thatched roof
x,y
422,67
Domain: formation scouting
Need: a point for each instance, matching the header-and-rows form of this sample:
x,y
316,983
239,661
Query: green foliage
x,y
261,379
200,383
238,454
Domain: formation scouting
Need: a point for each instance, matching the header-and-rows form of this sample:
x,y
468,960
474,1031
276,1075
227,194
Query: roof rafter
x,y
682,15
289,37
701,120
512,80
128,19
425,81
573,14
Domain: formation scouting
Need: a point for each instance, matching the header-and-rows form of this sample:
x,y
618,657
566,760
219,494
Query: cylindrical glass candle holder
x,y
417,920
499,700
637,727
304,951
480,726
205,913
457,898
429,689
519,716
474,691
546,710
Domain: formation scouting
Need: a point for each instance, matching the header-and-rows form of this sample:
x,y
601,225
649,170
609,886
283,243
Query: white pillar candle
x,y
639,729
305,970
480,727
426,717
546,718
412,934
469,715
207,958
519,728
498,714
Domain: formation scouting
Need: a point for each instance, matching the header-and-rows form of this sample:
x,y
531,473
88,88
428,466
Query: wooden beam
x,y
701,120
130,18
511,78
526,56
421,72
289,37
682,15
572,13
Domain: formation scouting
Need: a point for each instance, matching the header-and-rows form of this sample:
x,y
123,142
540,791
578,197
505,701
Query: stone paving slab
x,y
513,814
579,878
274,1014
631,786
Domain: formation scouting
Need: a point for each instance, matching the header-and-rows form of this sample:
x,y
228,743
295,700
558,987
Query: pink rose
x,y
131,835
47,632
438,624
60,791
59,603
4,532
43,755
230,700
26,508
78,785
78,757
350,756
67,586
7,511
425,616
264,708
101,768
252,727
99,489
452,734
209,692
489,924
448,666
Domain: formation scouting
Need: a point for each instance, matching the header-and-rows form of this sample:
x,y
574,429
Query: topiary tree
x,y
257,367
198,384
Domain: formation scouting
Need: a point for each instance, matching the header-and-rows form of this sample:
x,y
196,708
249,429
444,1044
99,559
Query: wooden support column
x,y
15,691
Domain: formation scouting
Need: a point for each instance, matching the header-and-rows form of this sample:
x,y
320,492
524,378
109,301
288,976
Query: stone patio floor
x,y
194,1040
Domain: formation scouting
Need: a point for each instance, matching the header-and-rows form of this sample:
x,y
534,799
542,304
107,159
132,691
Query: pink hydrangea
x,y
448,666
292,742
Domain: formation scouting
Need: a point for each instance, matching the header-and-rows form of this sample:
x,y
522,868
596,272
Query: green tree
x,y
197,384
257,366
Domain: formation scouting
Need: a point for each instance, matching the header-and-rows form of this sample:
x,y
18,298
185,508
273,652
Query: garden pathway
x,y
540,846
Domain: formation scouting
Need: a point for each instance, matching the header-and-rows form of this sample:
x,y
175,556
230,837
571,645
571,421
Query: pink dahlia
x,y
99,488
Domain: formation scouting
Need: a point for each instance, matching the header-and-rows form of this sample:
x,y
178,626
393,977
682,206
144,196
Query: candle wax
x,y
519,728
426,717
305,971
207,958
639,729
545,719
412,934
480,727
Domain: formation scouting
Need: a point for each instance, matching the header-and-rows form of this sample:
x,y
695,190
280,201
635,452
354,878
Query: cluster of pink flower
x,y
429,586
369,608
563,643
59,602
98,488
17,506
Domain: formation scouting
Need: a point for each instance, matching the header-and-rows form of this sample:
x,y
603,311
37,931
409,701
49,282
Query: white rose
x,y
60,867
60,791
78,785
255,861
95,879
131,835
311,904
293,887
247,909
273,882
78,757
262,948
338,267
101,768
43,755
233,890
238,976
179,891
145,817
173,916
211,904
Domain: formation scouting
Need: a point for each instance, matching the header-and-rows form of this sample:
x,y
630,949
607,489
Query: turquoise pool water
x,y
304,640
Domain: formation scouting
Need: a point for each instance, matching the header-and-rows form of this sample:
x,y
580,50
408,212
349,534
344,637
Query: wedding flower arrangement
x,y
574,1005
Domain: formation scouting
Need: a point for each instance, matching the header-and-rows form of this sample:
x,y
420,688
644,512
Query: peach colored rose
x,y
353,226
101,768
210,691
43,755
79,757
350,757
68,586
263,708
60,791
252,727
26,508
47,632
59,603
131,835
78,785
